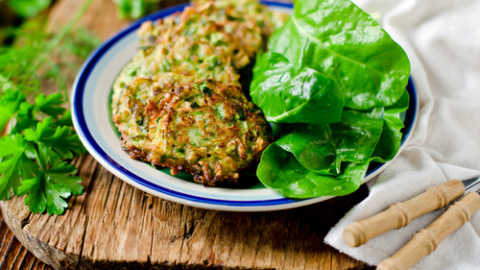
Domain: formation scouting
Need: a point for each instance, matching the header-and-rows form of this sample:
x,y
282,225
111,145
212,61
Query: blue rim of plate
x,y
87,138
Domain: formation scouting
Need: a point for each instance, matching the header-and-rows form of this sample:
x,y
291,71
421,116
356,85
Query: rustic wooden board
x,y
14,256
115,226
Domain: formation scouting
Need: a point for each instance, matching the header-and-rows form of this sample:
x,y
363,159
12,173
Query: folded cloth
x,y
442,41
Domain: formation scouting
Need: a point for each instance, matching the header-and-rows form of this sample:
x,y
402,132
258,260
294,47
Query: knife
x,y
400,214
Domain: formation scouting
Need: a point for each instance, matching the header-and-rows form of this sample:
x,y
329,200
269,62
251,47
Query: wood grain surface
x,y
115,226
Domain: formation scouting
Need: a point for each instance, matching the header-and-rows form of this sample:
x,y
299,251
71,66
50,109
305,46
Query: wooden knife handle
x,y
425,241
400,214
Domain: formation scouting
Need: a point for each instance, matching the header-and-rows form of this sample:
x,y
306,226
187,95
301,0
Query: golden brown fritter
x,y
208,40
206,128
179,103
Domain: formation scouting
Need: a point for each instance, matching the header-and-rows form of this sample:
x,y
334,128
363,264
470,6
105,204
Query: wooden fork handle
x,y
425,241
400,214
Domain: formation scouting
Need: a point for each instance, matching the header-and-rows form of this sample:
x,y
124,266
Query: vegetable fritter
x,y
206,128
208,40
180,104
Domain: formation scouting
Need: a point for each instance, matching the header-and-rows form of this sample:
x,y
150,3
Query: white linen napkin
x,y
442,40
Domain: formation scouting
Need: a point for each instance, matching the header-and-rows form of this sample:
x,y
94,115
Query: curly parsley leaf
x,y
63,175
25,118
15,164
57,140
10,102
56,196
49,180
48,105
49,189
66,119
51,105
36,198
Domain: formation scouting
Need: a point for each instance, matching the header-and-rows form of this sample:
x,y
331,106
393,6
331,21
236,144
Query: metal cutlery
x,y
400,214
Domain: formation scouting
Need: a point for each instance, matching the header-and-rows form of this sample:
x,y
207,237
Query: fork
x,y
400,214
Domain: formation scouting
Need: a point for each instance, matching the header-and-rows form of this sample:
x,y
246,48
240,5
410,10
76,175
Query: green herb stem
x,y
60,36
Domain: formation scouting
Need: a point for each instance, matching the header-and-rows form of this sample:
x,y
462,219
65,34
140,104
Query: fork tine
x,y
471,183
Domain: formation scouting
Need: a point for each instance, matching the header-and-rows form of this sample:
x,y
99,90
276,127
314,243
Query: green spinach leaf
x,y
334,81
312,146
315,160
280,171
295,95
340,41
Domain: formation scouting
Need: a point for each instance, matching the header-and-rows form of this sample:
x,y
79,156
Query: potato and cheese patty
x,y
179,103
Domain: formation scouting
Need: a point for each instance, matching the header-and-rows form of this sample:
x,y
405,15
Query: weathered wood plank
x,y
13,255
124,226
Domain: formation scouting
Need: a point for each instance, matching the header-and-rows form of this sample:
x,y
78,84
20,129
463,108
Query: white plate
x,y
91,118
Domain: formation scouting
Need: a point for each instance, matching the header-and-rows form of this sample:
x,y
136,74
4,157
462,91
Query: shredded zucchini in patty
x,y
179,103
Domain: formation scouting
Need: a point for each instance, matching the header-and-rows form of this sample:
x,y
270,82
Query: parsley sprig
x,y
33,156
35,153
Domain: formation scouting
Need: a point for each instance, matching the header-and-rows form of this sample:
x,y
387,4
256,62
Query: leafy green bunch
x,y
39,141
335,82
28,8
33,157
134,9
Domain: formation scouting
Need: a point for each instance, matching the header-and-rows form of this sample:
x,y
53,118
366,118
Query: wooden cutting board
x,y
115,226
